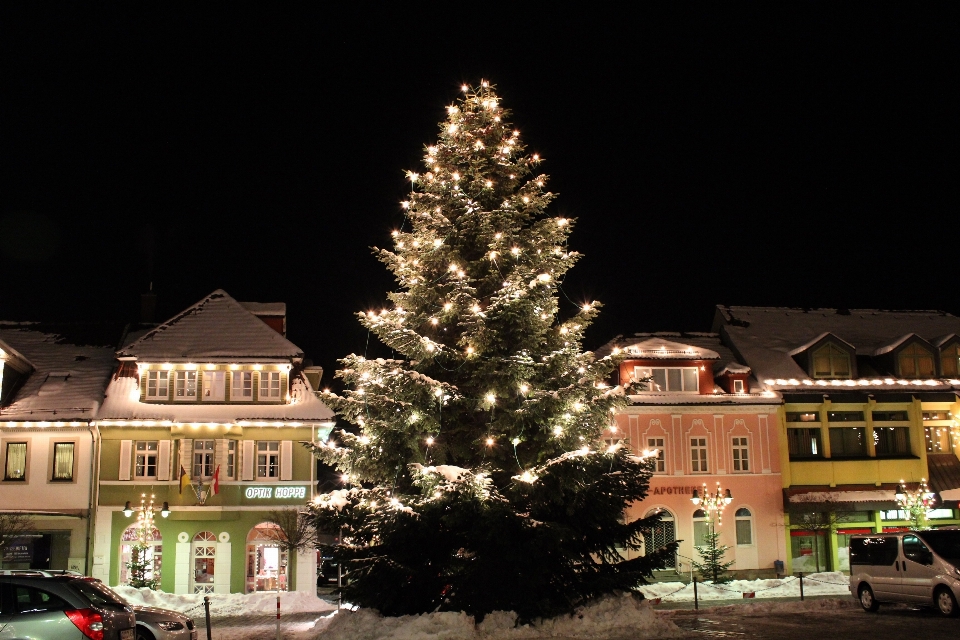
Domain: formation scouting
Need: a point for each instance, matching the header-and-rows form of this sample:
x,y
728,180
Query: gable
x,y
660,349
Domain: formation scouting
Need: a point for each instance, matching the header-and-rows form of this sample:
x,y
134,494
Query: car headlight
x,y
170,626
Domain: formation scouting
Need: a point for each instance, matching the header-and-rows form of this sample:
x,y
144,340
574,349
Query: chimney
x,y
148,306
274,314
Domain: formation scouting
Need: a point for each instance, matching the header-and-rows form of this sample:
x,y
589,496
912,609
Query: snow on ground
x,y
831,583
226,604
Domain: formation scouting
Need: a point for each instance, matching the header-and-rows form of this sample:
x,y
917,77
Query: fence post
x,y
278,615
696,599
801,586
206,611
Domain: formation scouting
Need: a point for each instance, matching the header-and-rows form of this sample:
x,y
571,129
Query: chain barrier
x,y
785,582
837,584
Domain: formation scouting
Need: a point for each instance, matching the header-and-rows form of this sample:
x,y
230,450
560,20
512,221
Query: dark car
x,y
62,608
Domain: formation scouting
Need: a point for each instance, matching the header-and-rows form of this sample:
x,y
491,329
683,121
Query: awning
x,y
801,496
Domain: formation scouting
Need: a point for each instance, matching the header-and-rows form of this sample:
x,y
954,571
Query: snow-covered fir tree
x,y
476,477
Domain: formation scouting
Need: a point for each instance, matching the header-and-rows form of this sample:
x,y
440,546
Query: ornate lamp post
x,y
917,503
145,516
712,503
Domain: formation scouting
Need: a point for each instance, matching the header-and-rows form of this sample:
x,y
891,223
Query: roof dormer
x,y
949,347
669,367
909,356
827,357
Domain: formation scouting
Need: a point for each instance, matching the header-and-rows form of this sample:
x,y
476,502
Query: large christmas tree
x,y
476,476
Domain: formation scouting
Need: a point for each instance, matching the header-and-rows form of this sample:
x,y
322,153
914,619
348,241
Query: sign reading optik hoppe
x,y
275,493
675,491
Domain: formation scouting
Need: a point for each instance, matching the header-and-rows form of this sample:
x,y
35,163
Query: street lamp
x,y
145,516
712,503
917,503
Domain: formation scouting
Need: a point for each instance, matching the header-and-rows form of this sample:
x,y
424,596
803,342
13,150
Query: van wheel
x,y
945,602
867,601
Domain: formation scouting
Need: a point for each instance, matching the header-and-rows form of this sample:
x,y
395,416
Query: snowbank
x,y
831,583
226,604
768,608
611,617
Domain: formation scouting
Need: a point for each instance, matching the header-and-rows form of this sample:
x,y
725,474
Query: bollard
x,y
278,615
206,611
696,600
801,586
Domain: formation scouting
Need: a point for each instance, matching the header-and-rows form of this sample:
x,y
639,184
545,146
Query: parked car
x,y
921,567
62,608
39,572
163,624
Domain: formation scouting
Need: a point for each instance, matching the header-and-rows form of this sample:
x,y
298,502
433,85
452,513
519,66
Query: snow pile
x,y
831,583
611,617
226,604
768,608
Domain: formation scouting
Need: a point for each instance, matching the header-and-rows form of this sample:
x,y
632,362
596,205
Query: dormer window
x,y
950,360
686,379
830,361
269,385
241,388
916,362
186,387
158,385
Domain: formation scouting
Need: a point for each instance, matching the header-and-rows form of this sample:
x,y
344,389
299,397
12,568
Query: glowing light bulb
x,y
414,176
464,88
455,176
558,431
544,277
493,255
489,442
453,267
536,157
484,83
587,307
491,398
564,330
469,350
515,441
498,235
432,151
405,204
430,346
561,221
434,321
488,183
476,308
524,388
515,251
525,199
452,128
430,441
437,242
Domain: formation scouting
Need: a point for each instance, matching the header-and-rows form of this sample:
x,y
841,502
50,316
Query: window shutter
x,y
286,459
125,448
163,460
186,457
248,459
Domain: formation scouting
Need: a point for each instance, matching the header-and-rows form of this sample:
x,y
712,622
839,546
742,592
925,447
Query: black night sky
x,y
803,157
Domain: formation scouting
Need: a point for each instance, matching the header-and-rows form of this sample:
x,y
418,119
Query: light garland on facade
x,y
862,382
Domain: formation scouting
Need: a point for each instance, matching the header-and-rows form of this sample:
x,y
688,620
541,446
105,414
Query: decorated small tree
x,y
476,474
712,553
140,566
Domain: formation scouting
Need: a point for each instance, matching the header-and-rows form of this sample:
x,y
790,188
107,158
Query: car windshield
x,y
99,594
945,542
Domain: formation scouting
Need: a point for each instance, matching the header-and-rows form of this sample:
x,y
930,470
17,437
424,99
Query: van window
x,y
880,551
946,543
914,549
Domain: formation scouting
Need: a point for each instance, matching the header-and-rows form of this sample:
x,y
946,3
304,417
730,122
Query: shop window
x,y
949,361
266,561
804,443
269,385
268,460
890,416
848,442
698,455
809,551
203,458
701,527
845,416
662,534
670,378
830,361
803,416
146,466
741,453
241,386
15,466
744,523
937,415
158,385
63,462
204,562
916,362
186,386
136,536
892,441
938,439
214,386
660,466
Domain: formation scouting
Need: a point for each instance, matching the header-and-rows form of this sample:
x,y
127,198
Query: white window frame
x,y
271,460
736,530
701,463
214,386
267,386
654,387
231,459
182,383
158,378
147,453
738,385
204,458
706,520
660,466
740,454
237,386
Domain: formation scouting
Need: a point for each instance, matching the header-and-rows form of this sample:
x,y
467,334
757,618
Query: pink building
x,y
706,416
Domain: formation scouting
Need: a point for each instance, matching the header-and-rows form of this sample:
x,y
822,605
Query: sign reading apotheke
x,y
275,493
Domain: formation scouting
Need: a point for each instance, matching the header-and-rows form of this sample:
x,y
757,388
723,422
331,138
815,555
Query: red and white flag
x,y
216,481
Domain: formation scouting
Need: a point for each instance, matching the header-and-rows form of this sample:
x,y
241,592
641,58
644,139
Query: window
x,y
660,466
16,465
158,385
741,460
701,527
231,459
186,388
698,455
938,439
662,533
890,416
848,441
845,416
915,550
213,386
744,524
738,386
146,466
670,379
241,385
804,443
803,416
892,441
62,462
936,415
916,362
830,361
202,458
204,561
950,360
31,600
873,551
268,459
269,385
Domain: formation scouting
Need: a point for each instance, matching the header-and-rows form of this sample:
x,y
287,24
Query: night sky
x,y
804,158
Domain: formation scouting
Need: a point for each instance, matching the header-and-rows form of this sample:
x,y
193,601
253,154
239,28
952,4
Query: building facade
x,y
711,427
869,402
204,415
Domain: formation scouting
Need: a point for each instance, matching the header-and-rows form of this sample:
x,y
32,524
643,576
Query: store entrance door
x,y
267,562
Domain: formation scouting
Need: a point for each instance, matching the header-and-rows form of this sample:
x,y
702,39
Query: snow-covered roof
x,y
216,328
764,337
657,348
67,381
890,346
680,399
734,368
122,402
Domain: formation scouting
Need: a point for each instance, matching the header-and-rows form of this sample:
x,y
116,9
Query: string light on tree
x,y
916,502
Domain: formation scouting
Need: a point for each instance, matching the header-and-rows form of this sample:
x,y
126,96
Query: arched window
x,y
950,360
204,561
744,520
916,362
830,361
131,538
701,527
662,534
266,559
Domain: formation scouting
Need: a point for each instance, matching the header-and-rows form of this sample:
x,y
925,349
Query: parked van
x,y
921,567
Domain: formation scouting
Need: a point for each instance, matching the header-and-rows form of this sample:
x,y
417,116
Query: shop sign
x,y
675,491
275,493
19,550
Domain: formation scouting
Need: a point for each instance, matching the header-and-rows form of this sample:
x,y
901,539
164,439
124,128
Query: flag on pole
x,y
184,479
216,481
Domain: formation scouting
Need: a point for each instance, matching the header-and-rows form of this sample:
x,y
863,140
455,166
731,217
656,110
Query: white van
x,y
910,566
